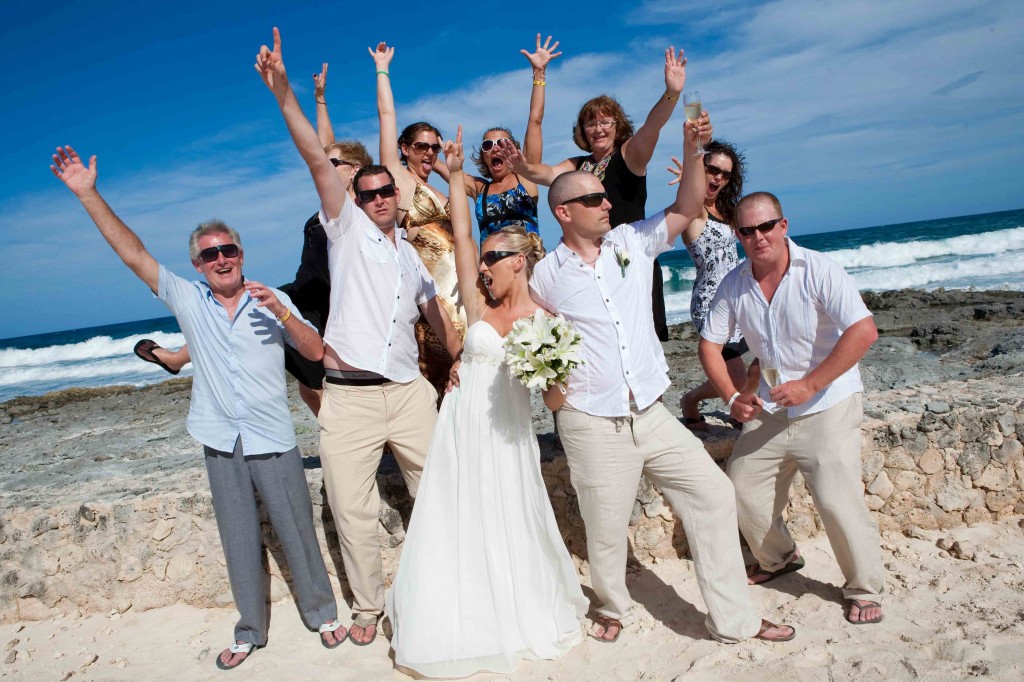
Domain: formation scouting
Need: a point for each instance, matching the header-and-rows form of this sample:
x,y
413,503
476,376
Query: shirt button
x,y
606,300
623,348
616,321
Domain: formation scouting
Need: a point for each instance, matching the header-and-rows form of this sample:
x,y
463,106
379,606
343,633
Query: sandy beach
x,y
110,568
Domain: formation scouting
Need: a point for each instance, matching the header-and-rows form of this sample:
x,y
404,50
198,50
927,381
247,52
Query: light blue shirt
x,y
239,385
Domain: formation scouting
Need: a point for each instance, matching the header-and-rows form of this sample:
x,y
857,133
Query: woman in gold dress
x,y
422,212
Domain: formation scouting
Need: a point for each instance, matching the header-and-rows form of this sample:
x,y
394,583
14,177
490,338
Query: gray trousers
x,y
281,483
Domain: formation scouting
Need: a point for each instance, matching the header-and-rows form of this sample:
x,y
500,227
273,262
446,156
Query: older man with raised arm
x,y
804,319
373,393
237,330
613,424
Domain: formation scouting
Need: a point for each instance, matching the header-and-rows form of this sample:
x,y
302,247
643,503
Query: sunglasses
x,y
488,145
589,200
763,228
423,147
365,196
340,162
209,255
715,170
492,257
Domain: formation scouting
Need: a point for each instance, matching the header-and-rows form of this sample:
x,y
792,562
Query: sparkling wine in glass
x,y
773,378
692,107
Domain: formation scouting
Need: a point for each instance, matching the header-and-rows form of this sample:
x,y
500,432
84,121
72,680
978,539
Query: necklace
x,y
591,261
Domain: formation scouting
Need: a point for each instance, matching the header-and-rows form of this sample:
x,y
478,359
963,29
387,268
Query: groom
x,y
613,425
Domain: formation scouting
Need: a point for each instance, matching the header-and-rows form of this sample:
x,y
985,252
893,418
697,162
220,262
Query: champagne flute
x,y
691,105
773,378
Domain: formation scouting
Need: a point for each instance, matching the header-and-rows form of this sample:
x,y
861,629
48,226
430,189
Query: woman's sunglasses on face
x,y
209,255
423,147
715,170
365,196
488,145
340,162
492,257
763,228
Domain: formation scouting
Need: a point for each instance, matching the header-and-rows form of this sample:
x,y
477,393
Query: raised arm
x,y
689,203
467,256
324,129
389,157
537,173
81,180
638,150
329,185
533,143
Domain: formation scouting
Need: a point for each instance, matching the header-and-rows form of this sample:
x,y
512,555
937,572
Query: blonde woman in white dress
x,y
484,579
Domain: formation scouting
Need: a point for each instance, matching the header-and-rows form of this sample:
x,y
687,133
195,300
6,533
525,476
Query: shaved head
x,y
757,199
571,185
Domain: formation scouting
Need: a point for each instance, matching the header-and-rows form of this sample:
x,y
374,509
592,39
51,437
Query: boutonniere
x,y
622,258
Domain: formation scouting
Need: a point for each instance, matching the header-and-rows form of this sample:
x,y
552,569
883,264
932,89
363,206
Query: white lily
x,y
622,258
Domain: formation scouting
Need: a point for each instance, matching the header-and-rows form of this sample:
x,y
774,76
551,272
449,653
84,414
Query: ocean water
x,y
982,252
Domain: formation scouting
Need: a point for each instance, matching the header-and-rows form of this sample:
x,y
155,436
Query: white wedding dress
x,y
484,579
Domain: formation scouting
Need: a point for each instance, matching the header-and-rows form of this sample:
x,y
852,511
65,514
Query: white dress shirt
x,y
376,290
816,302
611,308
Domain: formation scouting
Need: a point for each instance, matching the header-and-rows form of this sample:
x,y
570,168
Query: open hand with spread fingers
x,y
70,170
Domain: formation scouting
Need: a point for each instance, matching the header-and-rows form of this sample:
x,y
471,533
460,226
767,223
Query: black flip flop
x,y
794,565
850,603
695,423
144,349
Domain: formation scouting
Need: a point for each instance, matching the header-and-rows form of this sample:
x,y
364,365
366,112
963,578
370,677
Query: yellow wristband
x,y
284,319
671,98
540,82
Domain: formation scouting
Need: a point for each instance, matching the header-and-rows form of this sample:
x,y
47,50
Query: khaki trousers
x,y
607,456
825,448
355,424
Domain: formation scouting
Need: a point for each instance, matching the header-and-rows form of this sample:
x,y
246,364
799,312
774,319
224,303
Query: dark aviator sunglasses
x,y
422,147
209,255
592,200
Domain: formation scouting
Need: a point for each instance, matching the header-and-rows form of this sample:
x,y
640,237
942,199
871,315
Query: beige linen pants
x,y
825,448
355,424
607,456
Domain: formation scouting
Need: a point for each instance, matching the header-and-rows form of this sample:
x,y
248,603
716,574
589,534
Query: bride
x,y
484,579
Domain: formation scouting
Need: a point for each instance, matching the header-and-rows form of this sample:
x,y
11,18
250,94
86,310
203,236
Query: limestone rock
x,y
931,462
881,486
180,566
874,502
1002,500
953,496
909,480
962,549
1010,451
11,657
936,407
162,529
973,459
994,478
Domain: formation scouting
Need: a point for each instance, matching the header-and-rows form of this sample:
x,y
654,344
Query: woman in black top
x,y
618,155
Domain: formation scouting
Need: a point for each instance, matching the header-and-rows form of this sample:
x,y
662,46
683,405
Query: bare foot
x,y
362,634
229,660
863,611
770,632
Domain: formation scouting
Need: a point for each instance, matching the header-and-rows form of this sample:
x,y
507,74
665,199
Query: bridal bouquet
x,y
542,350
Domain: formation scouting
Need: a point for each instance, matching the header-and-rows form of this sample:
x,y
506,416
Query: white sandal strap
x,y
242,648
330,627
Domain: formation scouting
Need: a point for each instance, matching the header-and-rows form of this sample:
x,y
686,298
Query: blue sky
x,y
854,113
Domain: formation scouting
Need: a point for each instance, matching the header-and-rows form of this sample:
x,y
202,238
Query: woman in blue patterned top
x,y
501,197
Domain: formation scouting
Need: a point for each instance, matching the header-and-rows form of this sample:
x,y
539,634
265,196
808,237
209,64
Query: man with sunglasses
x,y
613,425
804,319
236,330
374,394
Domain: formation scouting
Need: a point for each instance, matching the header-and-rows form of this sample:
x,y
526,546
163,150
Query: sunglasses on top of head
x,y
764,228
424,147
592,200
210,254
488,145
491,257
713,170
365,196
